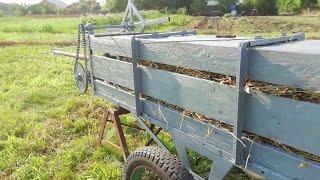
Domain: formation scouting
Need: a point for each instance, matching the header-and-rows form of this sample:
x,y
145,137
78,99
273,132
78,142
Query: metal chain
x,y
78,44
82,42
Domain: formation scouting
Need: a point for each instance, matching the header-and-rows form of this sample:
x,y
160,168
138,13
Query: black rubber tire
x,y
163,163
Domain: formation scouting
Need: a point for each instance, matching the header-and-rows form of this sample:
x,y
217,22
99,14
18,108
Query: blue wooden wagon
x,y
259,132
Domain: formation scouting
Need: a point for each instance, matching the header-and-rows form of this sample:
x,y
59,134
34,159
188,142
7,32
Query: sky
x,y
37,1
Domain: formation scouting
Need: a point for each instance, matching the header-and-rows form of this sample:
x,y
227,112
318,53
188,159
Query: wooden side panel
x,y
291,64
287,121
110,70
205,97
174,119
278,118
198,95
273,159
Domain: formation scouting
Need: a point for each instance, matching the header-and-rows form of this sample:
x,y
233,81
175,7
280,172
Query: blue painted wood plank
x,y
293,64
111,70
174,119
115,95
287,165
205,97
291,122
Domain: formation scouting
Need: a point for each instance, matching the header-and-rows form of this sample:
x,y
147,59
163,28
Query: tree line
x,y
44,7
265,7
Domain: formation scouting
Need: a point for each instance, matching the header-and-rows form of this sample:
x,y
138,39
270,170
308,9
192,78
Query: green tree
x,y
198,5
20,10
224,5
264,7
309,3
115,5
289,6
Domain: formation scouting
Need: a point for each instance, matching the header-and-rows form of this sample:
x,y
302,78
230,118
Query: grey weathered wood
x,y
287,121
115,45
280,119
169,117
111,70
290,122
291,64
174,119
205,97
209,98
117,96
272,161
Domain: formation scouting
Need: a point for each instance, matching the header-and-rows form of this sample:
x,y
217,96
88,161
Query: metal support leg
x,y
220,168
114,115
151,140
182,152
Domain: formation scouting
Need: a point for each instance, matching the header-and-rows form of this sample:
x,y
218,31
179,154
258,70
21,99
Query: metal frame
x,y
242,74
129,26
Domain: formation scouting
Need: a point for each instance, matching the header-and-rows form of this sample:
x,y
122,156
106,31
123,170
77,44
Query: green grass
x,y
48,130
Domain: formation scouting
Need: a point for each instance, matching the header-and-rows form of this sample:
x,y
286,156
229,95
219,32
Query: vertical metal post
x,y
242,73
135,45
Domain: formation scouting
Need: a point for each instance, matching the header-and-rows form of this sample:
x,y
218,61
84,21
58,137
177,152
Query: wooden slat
x,y
273,159
291,64
198,95
111,70
116,45
287,121
117,96
174,119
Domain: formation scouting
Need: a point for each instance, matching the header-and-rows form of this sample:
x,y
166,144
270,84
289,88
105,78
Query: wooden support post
x,y
113,115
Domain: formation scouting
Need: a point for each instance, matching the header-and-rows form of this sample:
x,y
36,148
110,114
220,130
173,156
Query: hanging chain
x,y
82,43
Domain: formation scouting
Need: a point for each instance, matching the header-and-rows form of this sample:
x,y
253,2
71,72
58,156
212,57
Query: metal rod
x,y
151,140
67,54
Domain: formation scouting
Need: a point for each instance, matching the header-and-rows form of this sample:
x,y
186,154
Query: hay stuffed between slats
x,y
251,86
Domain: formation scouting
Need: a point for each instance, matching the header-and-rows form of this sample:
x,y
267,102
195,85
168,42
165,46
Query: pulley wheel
x,y
81,77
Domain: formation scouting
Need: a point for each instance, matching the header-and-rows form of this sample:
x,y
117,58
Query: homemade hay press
x,y
211,94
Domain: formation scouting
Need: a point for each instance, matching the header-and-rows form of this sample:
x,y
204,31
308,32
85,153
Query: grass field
x,y
47,129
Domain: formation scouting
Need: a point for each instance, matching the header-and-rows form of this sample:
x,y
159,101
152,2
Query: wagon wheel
x,y
154,163
81,77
